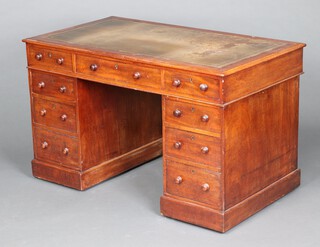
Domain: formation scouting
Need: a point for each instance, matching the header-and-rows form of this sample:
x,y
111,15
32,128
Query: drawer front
x,y
50,59
193,183
192,86
180,113
54,114
193,147
56,147
132,75
53,85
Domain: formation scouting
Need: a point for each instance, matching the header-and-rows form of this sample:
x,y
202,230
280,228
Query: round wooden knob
x,y
176,83
62,89
60,61
177,145
205,118
64,117
65,151
38,56
43,112
136,75
44,145
41,84
205,150
203,87
93,67
177,113
178,180
205,187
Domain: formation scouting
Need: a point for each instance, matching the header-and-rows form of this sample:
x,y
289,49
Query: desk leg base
x,y
225,220
82,180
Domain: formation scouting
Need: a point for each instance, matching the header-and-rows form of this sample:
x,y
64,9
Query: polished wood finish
x,y
192,116
191,84
49,58
204,216
53,85
87,125
49,146
119,72
199,185
268,148
109,95
54,114
193,147
110,118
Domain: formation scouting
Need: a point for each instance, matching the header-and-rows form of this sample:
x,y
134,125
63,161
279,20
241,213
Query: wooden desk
x,y
109,95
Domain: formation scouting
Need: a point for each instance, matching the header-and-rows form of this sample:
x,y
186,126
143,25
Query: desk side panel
x,y
261,135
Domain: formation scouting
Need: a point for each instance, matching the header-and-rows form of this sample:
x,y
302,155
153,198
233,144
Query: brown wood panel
x,y
189,86
79,180
121,72
191,145
260,200
53,85
223,221
121,163
56,174
54,114
192,213
262,75
54,150
261,135
114,121
190,182
194,116
49,58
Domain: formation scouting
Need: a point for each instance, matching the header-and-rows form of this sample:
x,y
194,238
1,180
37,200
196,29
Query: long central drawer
x,y
129,75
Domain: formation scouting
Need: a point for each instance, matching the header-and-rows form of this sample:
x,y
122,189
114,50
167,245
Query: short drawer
x,y
50,59
54,114
56,147
196,184
193,86
128,75
193,147
53,85
192,115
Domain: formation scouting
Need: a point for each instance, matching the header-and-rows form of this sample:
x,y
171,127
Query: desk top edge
x,y
284,47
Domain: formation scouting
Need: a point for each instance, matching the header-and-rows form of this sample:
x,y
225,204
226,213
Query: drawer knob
x,y
176,83
177,145
43,112
136,75
41,84
203,87
60,61
38,56
177,113
93,67
66,151
44,145
178,180
62,89
64,117
205,187
205,150
205,118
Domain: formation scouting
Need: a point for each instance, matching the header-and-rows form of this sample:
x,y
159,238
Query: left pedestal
x,y
86,132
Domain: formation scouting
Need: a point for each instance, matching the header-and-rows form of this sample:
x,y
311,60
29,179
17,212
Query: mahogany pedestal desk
x,y
109,95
